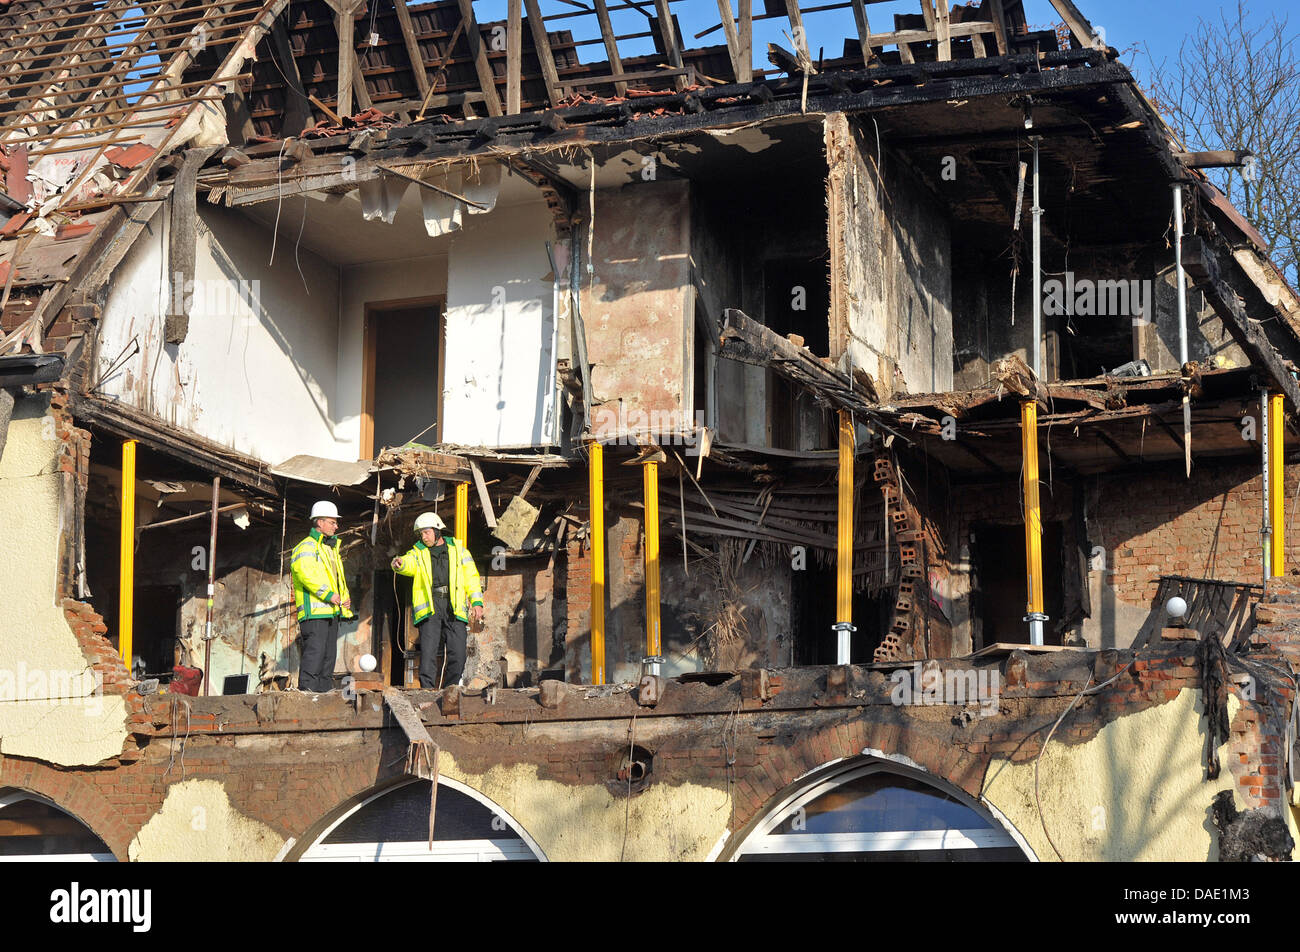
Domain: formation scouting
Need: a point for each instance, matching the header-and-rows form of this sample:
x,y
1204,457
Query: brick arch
x,y
74,794
782,766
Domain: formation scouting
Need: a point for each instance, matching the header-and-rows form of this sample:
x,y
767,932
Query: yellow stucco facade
x,y
50,708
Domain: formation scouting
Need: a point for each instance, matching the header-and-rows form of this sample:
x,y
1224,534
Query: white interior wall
x,y
256,373
376,283
499,388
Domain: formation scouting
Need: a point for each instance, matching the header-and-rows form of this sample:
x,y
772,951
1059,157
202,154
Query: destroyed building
x,y
831,437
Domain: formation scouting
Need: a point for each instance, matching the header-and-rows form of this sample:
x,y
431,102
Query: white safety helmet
x,y
324,510
429,520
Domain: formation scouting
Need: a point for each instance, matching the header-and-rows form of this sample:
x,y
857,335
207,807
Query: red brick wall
x,y
1151,522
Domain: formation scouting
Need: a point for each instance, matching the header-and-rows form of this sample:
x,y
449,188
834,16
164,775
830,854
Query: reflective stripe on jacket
x,y
317,574
464,586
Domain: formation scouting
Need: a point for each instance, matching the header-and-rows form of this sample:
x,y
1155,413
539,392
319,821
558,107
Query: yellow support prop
x,y
462,512
1276,490
651,482
126,578
1033,515
596,483
844,535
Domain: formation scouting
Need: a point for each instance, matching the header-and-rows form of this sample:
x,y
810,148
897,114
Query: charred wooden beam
x,y
748,341
1202,265
297,107
671,47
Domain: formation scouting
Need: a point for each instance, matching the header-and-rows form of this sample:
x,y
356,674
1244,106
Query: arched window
x,y
393,826
878,811
32,829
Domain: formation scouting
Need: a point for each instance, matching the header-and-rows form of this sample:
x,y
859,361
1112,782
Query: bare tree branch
x,y
1236,85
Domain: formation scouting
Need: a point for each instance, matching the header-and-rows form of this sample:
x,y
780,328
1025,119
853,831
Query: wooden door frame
x,y
368,370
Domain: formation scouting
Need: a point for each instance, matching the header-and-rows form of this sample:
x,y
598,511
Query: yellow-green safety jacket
x,y
318,574
464,586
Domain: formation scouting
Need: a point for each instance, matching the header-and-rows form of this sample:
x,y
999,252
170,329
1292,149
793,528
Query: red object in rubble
x,y
186,680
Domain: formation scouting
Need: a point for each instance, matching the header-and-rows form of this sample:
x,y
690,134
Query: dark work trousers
x,y
442,625
320,645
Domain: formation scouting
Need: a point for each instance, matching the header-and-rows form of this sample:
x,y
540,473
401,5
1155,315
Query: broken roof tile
x,y
13,224
74,229
130,157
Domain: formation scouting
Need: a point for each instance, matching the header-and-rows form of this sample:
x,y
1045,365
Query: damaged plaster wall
x,y
639,306
574,823
198,822
891,267
499,388
257,369
1135,791
50,706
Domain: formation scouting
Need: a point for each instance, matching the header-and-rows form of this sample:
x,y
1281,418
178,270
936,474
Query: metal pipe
x,y
596,487
1276,488
126,577
844,546
1182,275
1033,522
1036,362
1182,322
212,584
462,512
650,474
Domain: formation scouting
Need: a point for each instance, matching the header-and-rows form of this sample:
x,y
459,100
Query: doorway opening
x,y
813,601
405,343
796,300
999,560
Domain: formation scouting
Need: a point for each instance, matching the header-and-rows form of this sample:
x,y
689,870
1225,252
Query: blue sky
x,y
1160,24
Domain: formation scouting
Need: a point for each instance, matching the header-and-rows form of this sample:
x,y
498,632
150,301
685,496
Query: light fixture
x,y
1176,608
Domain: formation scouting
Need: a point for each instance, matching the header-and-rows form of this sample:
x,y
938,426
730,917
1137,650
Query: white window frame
x,y
480,851
19,796
763,841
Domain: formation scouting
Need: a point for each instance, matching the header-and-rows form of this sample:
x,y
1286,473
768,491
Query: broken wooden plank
x,y
729,30
1077,22
528,483
514,56
942,32
745,43
484,499
669,35
864,30
542,45
999,26
418,69
611,44
486,80
344,24
1000,648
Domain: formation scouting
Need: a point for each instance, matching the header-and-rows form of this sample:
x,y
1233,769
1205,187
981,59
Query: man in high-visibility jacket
x,y
445,591
320,593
